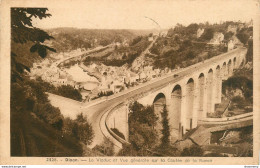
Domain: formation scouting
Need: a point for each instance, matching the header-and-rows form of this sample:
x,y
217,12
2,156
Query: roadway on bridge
x,y
96,111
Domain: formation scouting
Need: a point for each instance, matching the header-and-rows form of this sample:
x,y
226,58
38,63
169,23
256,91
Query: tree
x,y
49,114
104,42
69,91
190,55
155,49
228,35
143,114
165,141
82,130
142,134
165,42
31,113
179,29
192,28
124,56
208,34
136,40
22,31
243,36
239,82
249,54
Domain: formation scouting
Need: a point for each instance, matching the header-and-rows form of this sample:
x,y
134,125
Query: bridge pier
x,y
205,99
218,85
220,90
175,114
190,97
230,69
196,106
238,61
224,71
210,91
183,110
214,92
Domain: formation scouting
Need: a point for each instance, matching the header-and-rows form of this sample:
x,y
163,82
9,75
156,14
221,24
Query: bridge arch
x,y
201,95
235,62
229,68
218,85
158,104
210,91
190,87
224,71
210,70
242,62
175,113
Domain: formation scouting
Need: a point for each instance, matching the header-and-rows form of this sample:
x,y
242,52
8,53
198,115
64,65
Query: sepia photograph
x,y
104,79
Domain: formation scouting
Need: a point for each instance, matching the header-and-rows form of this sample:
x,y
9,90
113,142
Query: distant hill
x,y
67,39
187,45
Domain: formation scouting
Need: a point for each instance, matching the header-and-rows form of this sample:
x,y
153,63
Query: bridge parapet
x,y
116,119
247,116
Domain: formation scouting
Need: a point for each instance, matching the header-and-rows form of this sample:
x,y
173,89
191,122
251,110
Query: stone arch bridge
x,y
188,94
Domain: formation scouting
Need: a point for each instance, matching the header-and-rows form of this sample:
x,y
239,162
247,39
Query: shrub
x,y
194,150
49,114
168,150
127,150
155,50
237,99
69,92
136,40
106,148
190,55
246,134
79,129
215,155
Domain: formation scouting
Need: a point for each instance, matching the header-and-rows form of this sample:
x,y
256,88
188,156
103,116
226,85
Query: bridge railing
x,y
222,120
99,100
109,130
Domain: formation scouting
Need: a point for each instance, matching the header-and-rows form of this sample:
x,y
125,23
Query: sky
x,y
144,14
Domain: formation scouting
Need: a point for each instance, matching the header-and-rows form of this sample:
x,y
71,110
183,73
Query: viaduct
x,y
188,94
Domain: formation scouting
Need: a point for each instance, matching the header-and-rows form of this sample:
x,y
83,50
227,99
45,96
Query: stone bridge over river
x,y
189,94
